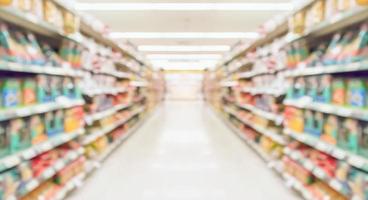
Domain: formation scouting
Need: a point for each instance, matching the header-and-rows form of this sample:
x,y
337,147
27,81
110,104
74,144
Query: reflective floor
x,y
184,152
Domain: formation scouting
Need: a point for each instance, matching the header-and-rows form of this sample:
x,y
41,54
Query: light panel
x,y
183,48
110,6
185,35
184,56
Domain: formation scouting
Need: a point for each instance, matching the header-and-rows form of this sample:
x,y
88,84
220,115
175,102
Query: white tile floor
x,y
184,152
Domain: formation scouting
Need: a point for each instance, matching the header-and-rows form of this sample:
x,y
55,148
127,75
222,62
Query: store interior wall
x,y
184,86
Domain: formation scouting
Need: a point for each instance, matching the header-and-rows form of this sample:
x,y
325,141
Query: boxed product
x,y
314,122
18,134
29,92
4,140
331,129
11,94
348,135
45,89
37,128
363,140
339,91
357,93
294,119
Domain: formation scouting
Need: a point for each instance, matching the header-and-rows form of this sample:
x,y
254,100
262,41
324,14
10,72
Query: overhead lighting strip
x,y
184,56
185,35
111,6
184,48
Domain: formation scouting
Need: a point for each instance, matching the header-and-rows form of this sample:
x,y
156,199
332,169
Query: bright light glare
x,y
184,48
185,35
199,65
184,56
110,6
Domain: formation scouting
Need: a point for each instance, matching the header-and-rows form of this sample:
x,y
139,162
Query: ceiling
x,y
149,21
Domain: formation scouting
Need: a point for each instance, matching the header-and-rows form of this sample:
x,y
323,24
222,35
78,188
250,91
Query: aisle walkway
x,y
184,152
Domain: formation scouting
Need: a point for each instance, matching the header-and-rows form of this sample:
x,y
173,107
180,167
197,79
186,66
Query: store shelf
x,y
307,103
73,184
102,38
35,69
61,103
33,23
116,74
329,69
278,119
250,143
341,154
279,30
95,135
51,171
229,83
27,154
235,67
127,65
139,83
102,91
106,113
274,136
253,73
295,184
266,91
333,24
315,170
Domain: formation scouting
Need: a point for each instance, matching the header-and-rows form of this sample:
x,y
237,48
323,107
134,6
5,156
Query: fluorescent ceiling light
x,y
184,56
184,65
184,48
110,6
184,35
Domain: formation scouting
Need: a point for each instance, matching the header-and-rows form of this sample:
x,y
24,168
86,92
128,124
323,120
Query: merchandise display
x,y
298,97
69,96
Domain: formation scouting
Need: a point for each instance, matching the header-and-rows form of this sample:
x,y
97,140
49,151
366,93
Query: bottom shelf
x,y
96,163
275,164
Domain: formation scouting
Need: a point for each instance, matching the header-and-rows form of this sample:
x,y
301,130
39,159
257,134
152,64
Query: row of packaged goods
x,y
265,102
342,90
47,11
23,47
348,180
346,133
347,46
319,11
19,181
316,188
266,144
21,133
100,145
20,91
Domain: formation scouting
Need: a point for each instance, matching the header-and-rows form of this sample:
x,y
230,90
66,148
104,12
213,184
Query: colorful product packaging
x,y
44,89
4,140
330,130
349,135
10,93
356,93
37,128
338,91
29,89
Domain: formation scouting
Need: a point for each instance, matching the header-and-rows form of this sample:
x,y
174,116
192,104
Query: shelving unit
x,y
266,102
94,117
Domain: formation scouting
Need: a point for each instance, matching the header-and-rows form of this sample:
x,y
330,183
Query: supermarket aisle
x,y
184,152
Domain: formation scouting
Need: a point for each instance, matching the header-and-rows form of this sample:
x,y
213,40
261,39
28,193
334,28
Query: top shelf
x,y
278,31
333,24
33,23
99,37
